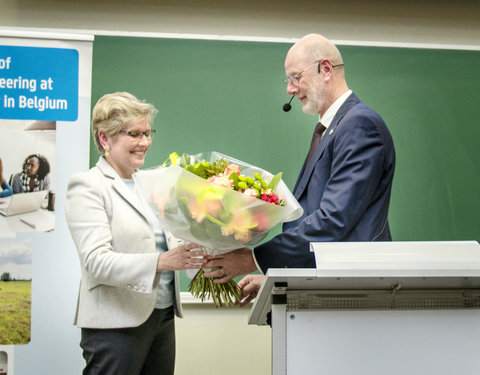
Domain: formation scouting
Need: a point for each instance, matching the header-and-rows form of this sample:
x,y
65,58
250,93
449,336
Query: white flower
x,y
251,192
221,180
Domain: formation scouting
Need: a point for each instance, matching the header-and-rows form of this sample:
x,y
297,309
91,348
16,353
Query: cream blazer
x,y
116,248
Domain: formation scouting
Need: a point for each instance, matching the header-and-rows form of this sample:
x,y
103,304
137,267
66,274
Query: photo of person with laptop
x,y
34,175
28,151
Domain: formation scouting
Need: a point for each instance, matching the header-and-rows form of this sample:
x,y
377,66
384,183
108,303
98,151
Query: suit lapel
x,y
305,173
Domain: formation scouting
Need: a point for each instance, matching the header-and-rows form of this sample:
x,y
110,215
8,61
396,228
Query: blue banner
x,y
38,83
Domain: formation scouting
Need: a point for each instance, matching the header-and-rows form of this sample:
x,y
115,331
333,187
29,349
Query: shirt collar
x,y
328,116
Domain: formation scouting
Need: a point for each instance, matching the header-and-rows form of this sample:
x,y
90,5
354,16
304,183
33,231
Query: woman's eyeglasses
x,y
139,135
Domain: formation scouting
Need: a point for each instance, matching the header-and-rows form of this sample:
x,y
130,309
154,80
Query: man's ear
x,y
326,67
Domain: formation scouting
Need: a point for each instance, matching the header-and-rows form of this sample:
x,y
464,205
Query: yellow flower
x,y
242,236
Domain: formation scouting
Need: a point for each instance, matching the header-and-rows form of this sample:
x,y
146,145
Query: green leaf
x,y
184,160
275,180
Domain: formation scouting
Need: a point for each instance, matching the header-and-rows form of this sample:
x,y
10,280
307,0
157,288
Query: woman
x,y
128,292
6,189
35,175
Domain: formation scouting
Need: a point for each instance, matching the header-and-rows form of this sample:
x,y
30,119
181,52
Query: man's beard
x,y
315,98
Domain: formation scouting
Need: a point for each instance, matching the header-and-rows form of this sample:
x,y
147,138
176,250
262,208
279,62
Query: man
x,y
345,183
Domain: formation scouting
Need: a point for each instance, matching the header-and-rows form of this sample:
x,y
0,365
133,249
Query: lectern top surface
x,y
377,266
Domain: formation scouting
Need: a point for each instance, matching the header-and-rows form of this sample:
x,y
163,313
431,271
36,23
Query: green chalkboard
x,y
227,96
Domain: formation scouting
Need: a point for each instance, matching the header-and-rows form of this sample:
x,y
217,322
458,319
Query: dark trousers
x,y
145,350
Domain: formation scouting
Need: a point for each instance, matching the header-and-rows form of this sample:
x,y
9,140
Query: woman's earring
x,y
107,151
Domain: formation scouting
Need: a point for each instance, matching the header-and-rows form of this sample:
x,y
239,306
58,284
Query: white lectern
x,y
376,308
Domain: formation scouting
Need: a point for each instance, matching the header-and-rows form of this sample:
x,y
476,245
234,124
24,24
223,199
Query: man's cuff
x,y
256,263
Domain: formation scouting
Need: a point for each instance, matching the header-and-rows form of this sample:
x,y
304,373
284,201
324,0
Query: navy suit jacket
x,y
344,190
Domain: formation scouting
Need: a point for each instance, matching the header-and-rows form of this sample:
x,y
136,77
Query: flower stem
x,y
223,295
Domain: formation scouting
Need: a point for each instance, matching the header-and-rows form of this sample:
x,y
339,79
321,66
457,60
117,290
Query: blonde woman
x,y
129,288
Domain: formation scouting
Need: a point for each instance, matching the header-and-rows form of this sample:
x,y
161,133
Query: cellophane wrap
x,y
216,217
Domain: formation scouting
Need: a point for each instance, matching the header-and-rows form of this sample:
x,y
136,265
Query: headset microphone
x,y
287,107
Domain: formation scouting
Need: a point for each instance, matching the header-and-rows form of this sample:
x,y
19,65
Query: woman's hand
x,y
181,258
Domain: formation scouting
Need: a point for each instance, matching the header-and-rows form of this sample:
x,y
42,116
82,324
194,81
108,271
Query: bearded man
x,y
345,183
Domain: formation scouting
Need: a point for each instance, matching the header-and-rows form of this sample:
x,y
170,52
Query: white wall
x,y
219,341
412,21
212,341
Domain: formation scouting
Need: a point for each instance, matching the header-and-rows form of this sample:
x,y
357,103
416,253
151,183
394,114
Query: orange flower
x,y
160,201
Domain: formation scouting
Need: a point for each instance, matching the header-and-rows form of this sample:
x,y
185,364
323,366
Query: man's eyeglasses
x,y
139,135
295,78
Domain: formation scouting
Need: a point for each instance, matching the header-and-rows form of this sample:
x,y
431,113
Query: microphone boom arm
x,y
287,107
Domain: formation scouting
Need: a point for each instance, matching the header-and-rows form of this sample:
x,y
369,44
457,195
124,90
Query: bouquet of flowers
x,y
218,202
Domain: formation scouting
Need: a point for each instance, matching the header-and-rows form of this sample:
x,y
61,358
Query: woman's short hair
x,y
113,112
43,167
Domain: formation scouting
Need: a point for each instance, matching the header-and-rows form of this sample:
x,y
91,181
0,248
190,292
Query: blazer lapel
x,y
305,173
120,186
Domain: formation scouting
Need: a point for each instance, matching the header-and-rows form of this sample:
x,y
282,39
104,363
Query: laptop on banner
x,y
24,202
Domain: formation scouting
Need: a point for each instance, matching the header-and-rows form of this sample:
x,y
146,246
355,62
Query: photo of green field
x,y
15,291
15,312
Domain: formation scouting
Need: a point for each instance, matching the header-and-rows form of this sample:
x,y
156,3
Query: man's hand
x,y
229,265
250,286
